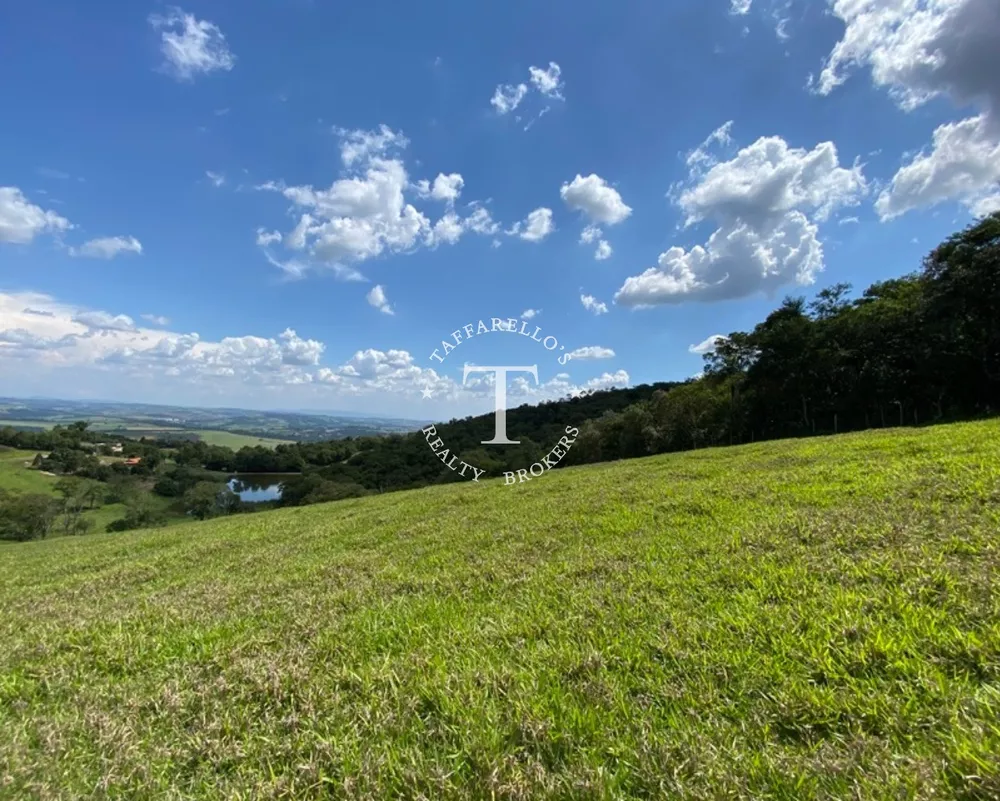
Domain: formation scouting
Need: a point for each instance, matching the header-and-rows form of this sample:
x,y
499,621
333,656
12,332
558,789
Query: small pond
x,y
257,487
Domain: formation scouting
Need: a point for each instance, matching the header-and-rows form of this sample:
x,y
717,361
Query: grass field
x,y
237,441
810,619
15,477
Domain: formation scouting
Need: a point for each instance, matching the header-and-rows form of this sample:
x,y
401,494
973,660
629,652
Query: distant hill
x,y
404,461
141,419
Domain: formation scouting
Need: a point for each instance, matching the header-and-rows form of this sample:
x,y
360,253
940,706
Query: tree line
x,y
917,349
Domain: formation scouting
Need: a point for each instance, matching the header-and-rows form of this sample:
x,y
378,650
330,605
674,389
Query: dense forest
x,y
912,350
916,349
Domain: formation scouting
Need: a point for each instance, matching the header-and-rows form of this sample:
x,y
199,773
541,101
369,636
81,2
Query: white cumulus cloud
x,y
507,97
20,340
964,163
21,221
705,346
702,156
360,146
535,227
765,202
191,46
366,213
377,299
448,230
265,237
356,218
918,50
596,199
95,349
547,81
592,304
102,321
447,188
299,351
986,205
480,221
768,179
592,352
616,380
107,247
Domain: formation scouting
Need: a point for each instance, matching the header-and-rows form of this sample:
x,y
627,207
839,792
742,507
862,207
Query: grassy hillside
x,y
812,619
16,477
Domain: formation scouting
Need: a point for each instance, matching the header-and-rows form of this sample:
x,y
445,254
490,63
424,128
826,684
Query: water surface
x,y
257,487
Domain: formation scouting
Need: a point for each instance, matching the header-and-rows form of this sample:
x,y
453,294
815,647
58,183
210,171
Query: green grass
x,y
103,515
236,441
16,477
793,620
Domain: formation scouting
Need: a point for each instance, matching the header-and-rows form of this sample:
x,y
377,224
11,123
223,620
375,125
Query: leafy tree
x,y
314,488
637,434
207,499
78,526
120,488
93,494
961,278
71,489
140,512
26,516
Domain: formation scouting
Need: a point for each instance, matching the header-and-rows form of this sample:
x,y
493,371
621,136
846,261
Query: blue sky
x,y
727,153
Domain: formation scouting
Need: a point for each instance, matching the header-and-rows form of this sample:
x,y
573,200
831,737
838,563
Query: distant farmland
x,y
27,425
233,427
224,438
237,441
135,430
